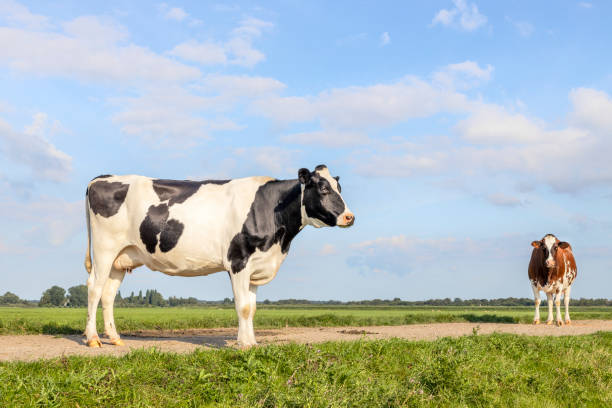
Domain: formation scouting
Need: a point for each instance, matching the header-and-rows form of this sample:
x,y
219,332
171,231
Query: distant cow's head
x,y
322,204
549,246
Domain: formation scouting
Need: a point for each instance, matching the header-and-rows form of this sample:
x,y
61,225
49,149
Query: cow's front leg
x,y
558,307
549,301
537,300
244,300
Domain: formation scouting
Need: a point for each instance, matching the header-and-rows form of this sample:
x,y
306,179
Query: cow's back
x,y
177,227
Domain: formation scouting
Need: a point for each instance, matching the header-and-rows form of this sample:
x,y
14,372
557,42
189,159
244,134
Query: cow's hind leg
x,y
108,299
537,300
101,268
244,300
566,300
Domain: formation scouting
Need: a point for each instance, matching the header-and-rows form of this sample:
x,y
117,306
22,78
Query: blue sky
x,y
461,130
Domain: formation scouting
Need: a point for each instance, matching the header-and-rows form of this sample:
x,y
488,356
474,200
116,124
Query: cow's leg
x,y
241,287
252,309
108,299
537,300
566,299
549,301
101,268
558,307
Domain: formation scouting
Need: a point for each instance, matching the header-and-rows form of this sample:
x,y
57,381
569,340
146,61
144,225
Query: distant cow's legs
x,y
95,283
108,300
537,300
566,299
558,307
549,301
244,299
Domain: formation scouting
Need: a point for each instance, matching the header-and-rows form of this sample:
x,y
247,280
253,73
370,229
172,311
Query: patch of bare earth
x,y
34,347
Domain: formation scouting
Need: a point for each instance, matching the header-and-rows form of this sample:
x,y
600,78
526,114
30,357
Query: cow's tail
x,y
88,253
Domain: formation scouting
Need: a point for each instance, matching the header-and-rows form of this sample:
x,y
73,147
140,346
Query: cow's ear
x,y
337,178
536,244
563,245
304,176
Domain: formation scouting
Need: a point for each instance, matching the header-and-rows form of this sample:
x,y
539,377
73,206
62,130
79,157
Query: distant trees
x,y
10,299
54,296
77,296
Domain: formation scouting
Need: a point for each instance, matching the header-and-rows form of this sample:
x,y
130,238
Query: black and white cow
x,y
193,228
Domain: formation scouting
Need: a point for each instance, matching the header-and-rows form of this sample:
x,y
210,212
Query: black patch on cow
x,y
274,217
106,198
157,223
101,176
177,191
322,201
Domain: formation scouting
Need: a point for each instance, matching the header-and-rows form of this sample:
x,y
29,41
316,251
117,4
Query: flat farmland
x,y
33,320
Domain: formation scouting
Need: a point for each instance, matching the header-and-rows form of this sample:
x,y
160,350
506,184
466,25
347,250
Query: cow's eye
x,y
324,190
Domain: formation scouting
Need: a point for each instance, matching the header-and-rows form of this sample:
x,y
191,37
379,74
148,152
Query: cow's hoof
x,y
549,322
93,343
536,322
117,342
568,322
559,323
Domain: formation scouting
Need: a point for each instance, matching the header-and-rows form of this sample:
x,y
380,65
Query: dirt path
x,y
33,347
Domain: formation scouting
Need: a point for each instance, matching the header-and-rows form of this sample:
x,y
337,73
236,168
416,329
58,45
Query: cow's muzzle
x,y
346,220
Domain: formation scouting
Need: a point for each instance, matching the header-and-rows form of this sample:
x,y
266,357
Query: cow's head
x,y
549,246
322,204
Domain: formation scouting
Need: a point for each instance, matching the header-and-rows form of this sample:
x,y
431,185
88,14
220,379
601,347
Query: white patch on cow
x,y
549,242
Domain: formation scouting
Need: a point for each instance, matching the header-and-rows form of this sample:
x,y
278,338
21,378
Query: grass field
x,y
494,370
72,321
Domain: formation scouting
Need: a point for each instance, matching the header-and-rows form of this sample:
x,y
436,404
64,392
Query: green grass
x,y
493,370
72,321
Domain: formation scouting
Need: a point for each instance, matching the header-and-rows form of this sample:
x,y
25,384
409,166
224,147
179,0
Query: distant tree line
x,y
76,296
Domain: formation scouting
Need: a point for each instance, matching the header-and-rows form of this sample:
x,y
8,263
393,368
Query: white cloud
x,y
18,15
267,161
358,107
237,50
202,53
592,108
504,200
327,249
31,149
242,86
176,13
463,75
50,220
585,4
524,28
385,39
90,49
327,138
464,15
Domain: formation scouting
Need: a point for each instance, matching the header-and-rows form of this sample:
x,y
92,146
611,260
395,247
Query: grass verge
x,y
493,370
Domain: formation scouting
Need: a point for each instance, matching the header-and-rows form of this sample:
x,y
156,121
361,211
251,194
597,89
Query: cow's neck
x,y
287,213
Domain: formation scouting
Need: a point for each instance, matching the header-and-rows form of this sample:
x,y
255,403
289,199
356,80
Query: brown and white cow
x,y
552,269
